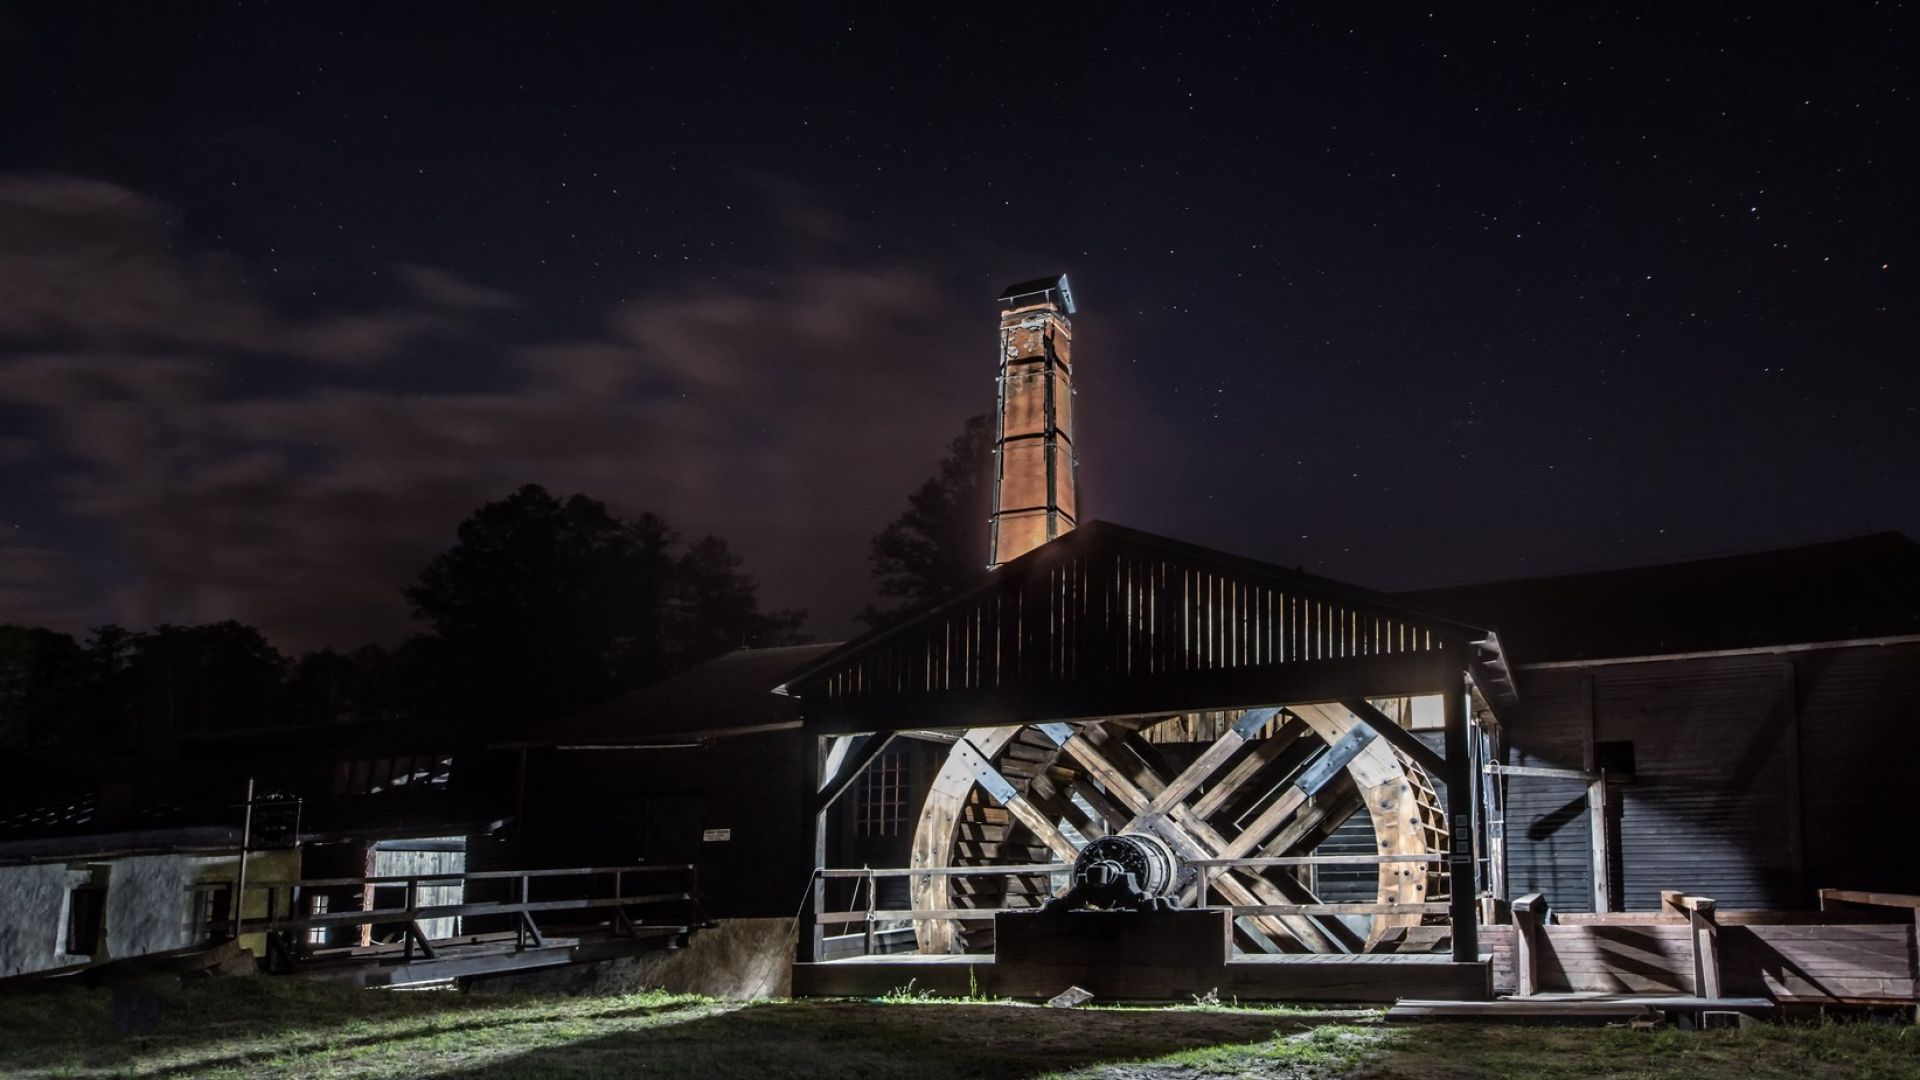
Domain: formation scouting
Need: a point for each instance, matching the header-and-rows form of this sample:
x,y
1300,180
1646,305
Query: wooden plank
x,y
1317,860
1877,899
844,768
1263,753
1204,766
1538,772
1189,836
1017,804
1706,951
1530,913
1602,843
1438,908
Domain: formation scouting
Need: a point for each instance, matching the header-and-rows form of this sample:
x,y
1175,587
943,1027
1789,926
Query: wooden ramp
x,y
1575,1008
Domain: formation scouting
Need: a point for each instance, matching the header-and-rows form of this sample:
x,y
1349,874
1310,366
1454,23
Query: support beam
x,y
1530,914
1262,755
844,766
1705,932
1017,804
811,943
1397,737
1463,912
1192,838
1601,842
1211,759
1315,776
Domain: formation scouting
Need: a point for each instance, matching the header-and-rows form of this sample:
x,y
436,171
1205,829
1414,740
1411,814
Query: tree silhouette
x,y
546,605
937,548
46,678
713,609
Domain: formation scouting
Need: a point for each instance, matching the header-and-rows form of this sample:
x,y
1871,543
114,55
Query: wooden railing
x,y
1858,949
602,889
870,916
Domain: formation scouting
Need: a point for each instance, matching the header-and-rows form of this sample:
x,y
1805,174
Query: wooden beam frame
x,y
1193,838
844,766
1398,737
1462,909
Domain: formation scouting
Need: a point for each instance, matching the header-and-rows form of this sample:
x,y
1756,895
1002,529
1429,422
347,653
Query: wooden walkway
x,y
1575,1008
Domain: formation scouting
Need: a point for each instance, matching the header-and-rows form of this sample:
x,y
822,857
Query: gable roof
x,y
728,695
1865,587
1108,620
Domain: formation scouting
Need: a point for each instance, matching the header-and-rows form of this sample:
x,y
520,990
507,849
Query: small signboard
x,y
717,836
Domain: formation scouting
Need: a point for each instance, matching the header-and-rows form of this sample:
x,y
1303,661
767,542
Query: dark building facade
x,y
1759,708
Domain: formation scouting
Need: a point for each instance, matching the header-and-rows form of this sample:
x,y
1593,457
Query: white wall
x,y
33,917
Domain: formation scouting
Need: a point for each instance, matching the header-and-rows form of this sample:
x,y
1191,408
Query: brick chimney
x,y
1034,494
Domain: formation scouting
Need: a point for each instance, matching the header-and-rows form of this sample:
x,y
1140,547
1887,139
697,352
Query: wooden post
x,y
1705,933
867,942
1529,914
1602,845
1462,910
812,943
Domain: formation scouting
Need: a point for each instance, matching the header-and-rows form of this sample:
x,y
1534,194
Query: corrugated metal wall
x,y
1548,839
1758,779
1710,810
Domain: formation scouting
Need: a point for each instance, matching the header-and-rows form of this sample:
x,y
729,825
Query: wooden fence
x,y
601,894
1860,949
870,917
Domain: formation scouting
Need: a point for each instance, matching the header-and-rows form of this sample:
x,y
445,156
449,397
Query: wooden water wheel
x,y
1268,783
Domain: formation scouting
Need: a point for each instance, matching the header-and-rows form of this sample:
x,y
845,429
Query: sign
x,y
716,836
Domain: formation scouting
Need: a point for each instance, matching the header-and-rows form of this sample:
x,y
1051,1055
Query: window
x,y
883,796
213,912
86,910
1613,758
317,904
371,776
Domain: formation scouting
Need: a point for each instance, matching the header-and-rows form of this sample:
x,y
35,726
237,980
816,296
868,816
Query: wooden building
x,y
111,855
703,767
1753,714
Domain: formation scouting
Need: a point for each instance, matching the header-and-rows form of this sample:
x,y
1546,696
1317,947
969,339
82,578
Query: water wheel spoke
x,y
1193,838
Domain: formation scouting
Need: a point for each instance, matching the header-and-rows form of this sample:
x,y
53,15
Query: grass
x,y
279,1027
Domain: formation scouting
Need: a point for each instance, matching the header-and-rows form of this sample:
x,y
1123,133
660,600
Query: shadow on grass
x,y
856,1040
396,1039
196,1026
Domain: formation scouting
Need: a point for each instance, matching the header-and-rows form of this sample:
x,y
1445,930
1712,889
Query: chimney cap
x,y
1014,295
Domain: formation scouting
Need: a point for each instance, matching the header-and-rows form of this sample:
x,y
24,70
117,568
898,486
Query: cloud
x,y
31,592
246,471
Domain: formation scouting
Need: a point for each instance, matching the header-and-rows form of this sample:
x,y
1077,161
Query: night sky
x,y
1407,299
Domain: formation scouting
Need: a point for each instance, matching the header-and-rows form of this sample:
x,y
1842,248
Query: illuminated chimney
x,y
1034,495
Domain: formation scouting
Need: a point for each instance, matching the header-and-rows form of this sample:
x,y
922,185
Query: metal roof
x,y
1039,286
732,694
1866,587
